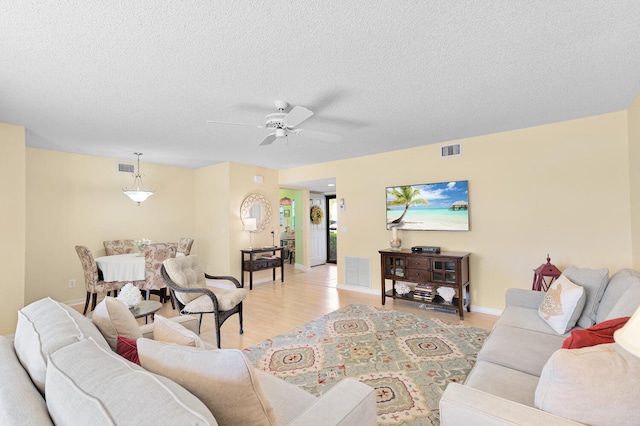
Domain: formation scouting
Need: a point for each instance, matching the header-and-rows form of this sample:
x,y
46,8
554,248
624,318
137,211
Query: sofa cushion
x,y
596,385
520,349
44,327
622,293
223,379
526,318
20,401
504,382
594,282
598,334
562,305
165,330
114,319
90,384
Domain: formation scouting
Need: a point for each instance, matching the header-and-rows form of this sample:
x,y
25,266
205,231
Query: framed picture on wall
x,y
442,206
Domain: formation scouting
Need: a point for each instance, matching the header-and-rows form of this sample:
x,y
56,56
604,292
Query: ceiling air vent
x,y
454,150
126,168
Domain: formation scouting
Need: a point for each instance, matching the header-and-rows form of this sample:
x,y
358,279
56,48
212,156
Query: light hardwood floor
x,y
274,307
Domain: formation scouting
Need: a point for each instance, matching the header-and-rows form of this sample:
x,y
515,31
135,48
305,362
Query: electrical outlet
x,y
72,283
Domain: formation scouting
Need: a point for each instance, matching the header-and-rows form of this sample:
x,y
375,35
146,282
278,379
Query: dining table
x,y
122,267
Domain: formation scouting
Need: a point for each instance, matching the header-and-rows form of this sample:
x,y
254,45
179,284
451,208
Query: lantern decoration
x,y
544,275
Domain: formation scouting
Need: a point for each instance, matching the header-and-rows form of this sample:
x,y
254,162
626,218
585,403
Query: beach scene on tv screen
x,y
440,206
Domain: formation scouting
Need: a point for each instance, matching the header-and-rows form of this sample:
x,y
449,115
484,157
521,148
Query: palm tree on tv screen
x,y
407,196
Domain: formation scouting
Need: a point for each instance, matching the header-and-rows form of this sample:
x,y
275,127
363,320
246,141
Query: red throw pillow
x,y
596,335
128,349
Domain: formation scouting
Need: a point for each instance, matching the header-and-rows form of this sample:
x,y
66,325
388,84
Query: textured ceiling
x,y
110,78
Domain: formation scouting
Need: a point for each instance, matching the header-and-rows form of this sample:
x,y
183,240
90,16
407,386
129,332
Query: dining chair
x,y
92,281
154,255
187,284
184,245
113,247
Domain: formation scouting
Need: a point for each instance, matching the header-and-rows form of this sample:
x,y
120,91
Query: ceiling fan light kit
x,y
284,124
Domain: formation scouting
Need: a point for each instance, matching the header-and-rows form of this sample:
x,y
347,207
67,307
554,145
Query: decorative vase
x,y
395,242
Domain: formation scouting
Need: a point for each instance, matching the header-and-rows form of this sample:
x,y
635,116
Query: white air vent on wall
x,y
454,150
357,271
126,168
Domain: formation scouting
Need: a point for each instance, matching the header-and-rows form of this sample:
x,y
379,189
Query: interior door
x,y
318,232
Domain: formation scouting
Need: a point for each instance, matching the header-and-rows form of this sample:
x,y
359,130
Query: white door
x,y
318,232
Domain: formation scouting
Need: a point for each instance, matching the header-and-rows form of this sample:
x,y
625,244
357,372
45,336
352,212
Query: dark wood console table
x,y
259,260
446,269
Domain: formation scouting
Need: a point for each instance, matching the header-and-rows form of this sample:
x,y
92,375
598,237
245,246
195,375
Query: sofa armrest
x,y
463,405
524,298
349,403
189,322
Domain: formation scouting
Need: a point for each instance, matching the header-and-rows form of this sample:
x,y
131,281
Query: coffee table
x,y
146,308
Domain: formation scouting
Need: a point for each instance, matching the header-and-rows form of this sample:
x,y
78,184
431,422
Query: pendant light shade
x,y
138,192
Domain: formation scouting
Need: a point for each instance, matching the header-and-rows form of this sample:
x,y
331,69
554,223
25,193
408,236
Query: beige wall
x,y
77,200
634,177
569,189
561,189
12,224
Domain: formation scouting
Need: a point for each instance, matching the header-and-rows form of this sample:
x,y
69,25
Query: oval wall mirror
x,y
258,207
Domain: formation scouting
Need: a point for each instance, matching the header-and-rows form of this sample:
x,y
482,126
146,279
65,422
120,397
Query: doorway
x,y
332,229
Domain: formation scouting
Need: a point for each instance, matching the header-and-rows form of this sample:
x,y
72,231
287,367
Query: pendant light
x,y
138,192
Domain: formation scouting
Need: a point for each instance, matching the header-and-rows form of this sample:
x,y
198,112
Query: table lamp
x,y
250,225
629,336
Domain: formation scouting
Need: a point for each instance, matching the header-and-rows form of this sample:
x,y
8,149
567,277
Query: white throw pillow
x,y
222,378
114,319
165,330
562,305
596,385
88,384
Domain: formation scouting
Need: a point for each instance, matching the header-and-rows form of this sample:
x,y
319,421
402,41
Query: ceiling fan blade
x,y
269,139
328,137
296,116
235,124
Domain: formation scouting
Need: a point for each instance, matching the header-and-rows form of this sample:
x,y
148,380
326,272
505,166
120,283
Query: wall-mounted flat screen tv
x,y
442,206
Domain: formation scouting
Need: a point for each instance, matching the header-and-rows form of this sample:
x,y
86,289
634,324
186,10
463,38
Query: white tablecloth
x,y
122,267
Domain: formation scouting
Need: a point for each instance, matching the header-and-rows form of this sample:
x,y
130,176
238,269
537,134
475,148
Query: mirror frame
x,y
249,203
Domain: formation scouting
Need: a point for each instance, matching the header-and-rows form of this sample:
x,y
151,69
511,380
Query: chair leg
x,y
240,317
86,303
217,332
199,323
94,300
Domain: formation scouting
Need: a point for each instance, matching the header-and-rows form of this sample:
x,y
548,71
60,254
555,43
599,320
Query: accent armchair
x,y
186,280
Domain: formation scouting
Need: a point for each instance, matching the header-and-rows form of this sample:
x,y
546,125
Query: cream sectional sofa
x,y
58,368
523,377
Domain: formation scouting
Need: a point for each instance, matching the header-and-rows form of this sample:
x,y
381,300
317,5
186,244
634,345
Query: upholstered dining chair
x,y
113,247
92,281
186,280
184,245
154,255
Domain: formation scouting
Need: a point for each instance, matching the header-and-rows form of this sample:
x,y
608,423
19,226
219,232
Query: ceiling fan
x,y
284,124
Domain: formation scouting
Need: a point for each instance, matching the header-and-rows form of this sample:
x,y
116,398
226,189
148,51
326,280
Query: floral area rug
x,y
408,359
